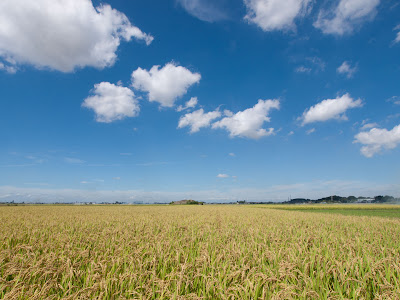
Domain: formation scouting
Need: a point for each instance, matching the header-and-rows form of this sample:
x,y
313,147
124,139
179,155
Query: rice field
x,y
195,252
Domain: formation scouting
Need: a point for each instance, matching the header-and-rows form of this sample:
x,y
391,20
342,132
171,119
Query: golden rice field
x,y
195,252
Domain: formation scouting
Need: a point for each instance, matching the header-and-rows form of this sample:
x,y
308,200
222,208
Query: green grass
x,y
374,210
395,213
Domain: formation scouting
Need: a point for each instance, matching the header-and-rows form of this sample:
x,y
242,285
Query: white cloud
x,y
272,15
190,104
72,160
312,130
205,10
394,100
198,119
98,180
311,64
8,68
346,69
37,183
248,123
111,102
368,126
397,39
164,85
222,175
302,69
377,139
330,109
232,154
228,113
290,133
346,16
63,34
317,62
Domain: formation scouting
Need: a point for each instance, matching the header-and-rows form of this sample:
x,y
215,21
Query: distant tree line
x,y
349,199
187,202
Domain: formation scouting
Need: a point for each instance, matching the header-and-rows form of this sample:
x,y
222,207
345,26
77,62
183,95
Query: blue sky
x,y
161,100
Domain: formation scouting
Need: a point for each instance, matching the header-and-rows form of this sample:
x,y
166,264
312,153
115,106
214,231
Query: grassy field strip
x,y
372,210
195,252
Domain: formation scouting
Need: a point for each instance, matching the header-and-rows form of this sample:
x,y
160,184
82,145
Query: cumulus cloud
x,y
63,34
346,16
198,119
346,69
190,104
222,175
111,102
330,109
272,15
205,10
377,139
248,123
164,85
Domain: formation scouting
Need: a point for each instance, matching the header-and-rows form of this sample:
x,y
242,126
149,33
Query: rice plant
x,y
195,252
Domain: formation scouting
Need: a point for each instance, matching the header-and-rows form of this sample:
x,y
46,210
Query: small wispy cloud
x,y
232,154
309,65
189,104
346,69
397,39
368,126
302,69
394,99
152,163
317,62
37,183
93,181
222,176
8,68
72,160
312,130
35,159
205,10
